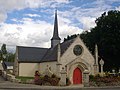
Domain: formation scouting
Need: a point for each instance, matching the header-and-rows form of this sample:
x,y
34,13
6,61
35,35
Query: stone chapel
x,y
72,56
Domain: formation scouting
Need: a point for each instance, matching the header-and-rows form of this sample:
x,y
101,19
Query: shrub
x,y
53,76
68,81
46,80
105,81
91,77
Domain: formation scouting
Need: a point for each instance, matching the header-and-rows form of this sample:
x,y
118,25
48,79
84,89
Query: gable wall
x,y
69,56
28,69
51,65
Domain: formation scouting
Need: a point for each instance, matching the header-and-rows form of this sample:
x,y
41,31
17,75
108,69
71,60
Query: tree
x,y
70,37
5,55
11,57
0,55
106,35
3,51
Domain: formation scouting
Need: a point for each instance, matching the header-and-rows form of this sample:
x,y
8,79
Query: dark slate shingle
x,y
51,54
64,46
34,54
30,54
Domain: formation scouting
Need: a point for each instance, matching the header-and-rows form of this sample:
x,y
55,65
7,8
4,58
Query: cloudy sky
x,y
30,22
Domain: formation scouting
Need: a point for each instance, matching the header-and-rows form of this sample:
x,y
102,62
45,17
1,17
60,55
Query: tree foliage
x,y
11,57
70,37
3,49
5,55
106,35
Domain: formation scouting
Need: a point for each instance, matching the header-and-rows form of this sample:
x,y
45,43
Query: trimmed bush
x,y
104,81
46,80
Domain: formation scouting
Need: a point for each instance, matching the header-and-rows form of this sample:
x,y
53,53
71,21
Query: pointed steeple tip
x,y
56,11
55,32
55,38
55,14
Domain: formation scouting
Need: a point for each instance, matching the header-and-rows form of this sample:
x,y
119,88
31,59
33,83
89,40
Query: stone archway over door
x,y
77,76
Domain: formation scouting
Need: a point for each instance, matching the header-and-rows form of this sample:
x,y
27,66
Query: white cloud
x,y
39,33
3,17
88,22
10,5
62,1
34,33
14,19
84,17
118,8
32,15
13,34
63,21
87,13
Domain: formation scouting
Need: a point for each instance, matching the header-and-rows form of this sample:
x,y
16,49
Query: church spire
x,y
55,33
55,39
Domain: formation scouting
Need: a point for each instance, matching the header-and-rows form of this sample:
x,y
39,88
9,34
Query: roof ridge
x,y
32,47
68,41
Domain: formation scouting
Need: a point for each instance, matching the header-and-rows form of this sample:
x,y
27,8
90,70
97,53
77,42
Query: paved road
x,y
6,85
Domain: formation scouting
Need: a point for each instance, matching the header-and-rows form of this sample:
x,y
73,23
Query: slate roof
x,y
51,54
5,64
30,54
64,46
9,63
33,54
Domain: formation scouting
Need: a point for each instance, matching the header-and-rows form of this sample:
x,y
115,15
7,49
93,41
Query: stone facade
x,y
51,65
28,69
68,60
60,57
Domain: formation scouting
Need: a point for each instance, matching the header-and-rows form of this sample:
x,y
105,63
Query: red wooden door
x,y
77,76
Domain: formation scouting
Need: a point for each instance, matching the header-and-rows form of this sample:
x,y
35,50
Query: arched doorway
x,y
77,76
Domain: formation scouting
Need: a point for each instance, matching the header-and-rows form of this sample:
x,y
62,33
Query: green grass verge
x,y
23,79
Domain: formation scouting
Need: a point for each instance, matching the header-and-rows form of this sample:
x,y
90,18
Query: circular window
x,y
77,50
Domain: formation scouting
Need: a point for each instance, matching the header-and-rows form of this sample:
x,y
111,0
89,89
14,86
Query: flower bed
x,y
104,81
46,80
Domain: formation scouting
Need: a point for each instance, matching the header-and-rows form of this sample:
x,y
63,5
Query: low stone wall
x,y
4,74
8,77
12,78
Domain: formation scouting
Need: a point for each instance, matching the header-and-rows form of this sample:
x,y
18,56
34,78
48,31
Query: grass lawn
x,y
24,79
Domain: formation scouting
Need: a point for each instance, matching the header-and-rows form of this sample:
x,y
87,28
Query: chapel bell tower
x,y
55,39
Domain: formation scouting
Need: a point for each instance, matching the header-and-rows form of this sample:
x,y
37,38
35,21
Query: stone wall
x,y
50,65
28,69
85,57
